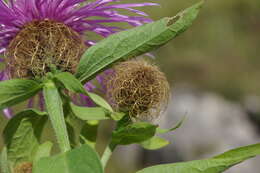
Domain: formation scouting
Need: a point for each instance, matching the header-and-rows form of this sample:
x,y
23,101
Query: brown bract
x,y
42,44
24,168
138,88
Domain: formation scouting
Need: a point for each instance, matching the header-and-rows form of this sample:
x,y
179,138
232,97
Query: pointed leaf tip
x,y
134,42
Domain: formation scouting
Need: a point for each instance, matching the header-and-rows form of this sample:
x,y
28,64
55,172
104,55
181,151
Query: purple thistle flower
x,y
81,16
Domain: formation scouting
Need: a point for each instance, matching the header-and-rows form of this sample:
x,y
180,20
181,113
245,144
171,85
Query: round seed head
x,y
138,88
42,45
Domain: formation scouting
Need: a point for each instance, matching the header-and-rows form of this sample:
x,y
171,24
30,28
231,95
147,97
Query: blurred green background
x,y
219,53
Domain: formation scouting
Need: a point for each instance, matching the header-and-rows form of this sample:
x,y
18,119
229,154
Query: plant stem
x,y
107,154
55,110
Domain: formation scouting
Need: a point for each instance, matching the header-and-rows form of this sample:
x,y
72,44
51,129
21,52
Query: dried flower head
x,y
24,168
138,88
43,44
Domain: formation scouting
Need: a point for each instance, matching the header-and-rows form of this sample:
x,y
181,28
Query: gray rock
x,y
213,126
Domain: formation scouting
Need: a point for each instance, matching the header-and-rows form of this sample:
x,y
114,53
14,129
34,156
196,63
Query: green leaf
x,y
178,125
80,160
157,142
73,84
88,134
100,101
89,113
154,143
54,108
44,150
17,90
70,82
133,133
216,164
134,42
4,164
117,115
22,135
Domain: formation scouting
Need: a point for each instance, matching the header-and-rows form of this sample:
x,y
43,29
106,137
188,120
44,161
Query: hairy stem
x,y
54,108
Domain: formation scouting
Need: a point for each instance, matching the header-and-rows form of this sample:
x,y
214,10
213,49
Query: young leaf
x,y
73,84
22,135
157,142
4,164
133,133
178,125
54,108
99,101
17,90
89,113
70,82
44,150
117,115
134,42
80,160
154,143
216,164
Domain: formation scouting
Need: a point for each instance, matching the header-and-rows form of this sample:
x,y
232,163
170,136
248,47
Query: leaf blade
x,y
154,143
44,150
133,42
73,84
17,90
80,160
89,113
175,127
133,133
22,135
216,164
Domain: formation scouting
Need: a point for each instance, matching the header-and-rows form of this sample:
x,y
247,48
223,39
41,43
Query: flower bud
x,y
138,88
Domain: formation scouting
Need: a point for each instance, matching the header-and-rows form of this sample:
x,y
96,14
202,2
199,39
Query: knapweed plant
x,y
54,57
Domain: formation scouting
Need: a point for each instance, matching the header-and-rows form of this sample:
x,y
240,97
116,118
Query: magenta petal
x,y
8,113
75,13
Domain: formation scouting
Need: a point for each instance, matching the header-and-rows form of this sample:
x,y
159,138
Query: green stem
x,y
107,154
55,110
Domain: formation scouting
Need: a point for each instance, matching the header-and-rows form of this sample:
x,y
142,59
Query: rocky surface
x,y
213,125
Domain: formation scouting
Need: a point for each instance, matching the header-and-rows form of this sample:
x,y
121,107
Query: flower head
x,y
37,34
42,45
138,88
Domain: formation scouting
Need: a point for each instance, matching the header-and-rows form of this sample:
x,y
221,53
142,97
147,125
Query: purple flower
x,y
82,16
